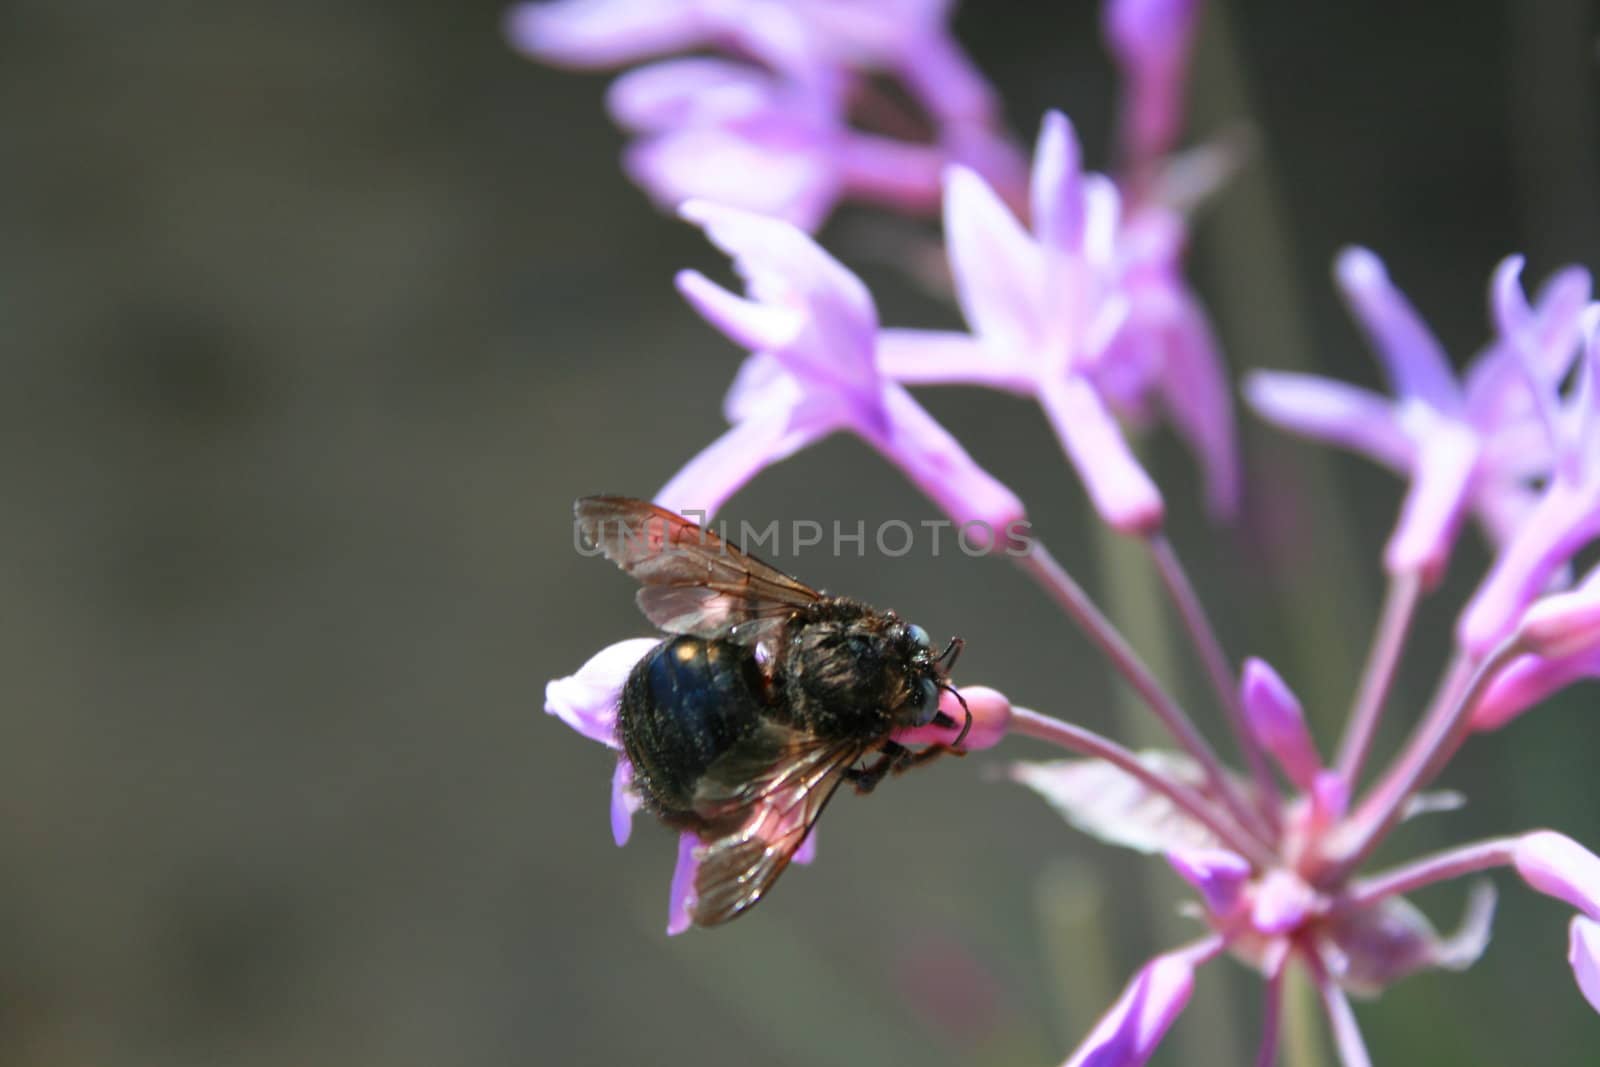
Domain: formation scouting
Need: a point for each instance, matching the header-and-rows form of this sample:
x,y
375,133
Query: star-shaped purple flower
x,y
813,331
1565,516
1463,445
1086,314
770,130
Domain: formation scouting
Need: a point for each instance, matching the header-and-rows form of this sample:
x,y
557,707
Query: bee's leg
x,y
941,719
906,759
890,756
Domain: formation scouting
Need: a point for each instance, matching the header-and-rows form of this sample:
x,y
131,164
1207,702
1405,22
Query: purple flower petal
x,y
1446,462
624,801
1583,953
807,852
1331,411
1564,624
587,700
727,464
944,80
1057,186
1194,387
1415,362
1526,683
1122,492
1150,40
666,95
1127,1035
681,902
903,175
999,272
1219,876
1565,519
939,357
1559,867
767,169
781,265
605,33
1278,722
938,465
749,323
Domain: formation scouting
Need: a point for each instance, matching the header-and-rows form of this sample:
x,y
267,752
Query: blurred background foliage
x,y
316,319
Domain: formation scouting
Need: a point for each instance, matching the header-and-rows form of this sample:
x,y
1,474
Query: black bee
x,y
770,694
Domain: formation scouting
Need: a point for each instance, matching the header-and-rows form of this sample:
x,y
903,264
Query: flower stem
x,y
1341,1019
1377,678
1217,664
1271,1019
1432,743
1055,580
1439,867
1086,742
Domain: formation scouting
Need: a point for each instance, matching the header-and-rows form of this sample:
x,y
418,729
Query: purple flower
x,y
1566,515
770,131
1461,446
1084,315
1291,896
813,330
908,38
736,134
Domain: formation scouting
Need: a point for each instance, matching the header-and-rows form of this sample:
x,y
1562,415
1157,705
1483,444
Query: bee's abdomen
x,y
684,705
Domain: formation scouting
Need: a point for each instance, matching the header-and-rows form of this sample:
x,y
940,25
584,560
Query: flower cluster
x,y
786,119
1072,287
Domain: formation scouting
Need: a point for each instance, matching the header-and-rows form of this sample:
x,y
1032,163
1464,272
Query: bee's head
x,y
928,672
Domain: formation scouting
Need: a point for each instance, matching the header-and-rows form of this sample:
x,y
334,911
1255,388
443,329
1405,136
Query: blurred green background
x,y
317,318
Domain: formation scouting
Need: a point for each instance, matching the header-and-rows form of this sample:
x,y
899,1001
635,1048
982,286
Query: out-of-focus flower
x,y
909,38
739,135
1566,516
813,330
1291,900
1083,315
1461,446
1151,41
769,130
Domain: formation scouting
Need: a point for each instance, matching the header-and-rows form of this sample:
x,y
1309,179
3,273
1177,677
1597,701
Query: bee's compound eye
x,y
919,637
926,701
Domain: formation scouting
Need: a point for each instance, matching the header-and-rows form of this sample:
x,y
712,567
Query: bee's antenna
x,y
953,691
951,651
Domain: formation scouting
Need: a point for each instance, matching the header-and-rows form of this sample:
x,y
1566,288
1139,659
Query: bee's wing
x,y
759,800
694,582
